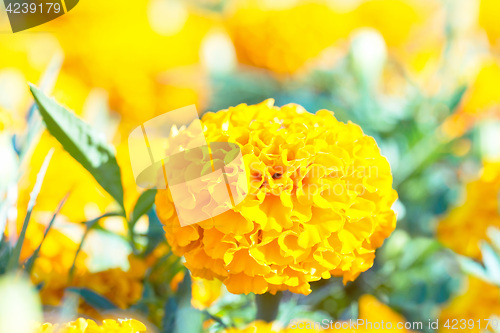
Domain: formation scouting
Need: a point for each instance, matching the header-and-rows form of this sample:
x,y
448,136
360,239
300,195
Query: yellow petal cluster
x,y
89,326
479,301
319,202
466,225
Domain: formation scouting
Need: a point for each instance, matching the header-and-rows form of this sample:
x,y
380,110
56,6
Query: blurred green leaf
x,y
16,253
156,234
168,322
94,299
82,143
144,203
89,225
472,267
31,260
455,99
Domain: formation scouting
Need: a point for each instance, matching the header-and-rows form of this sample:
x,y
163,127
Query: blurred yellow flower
x,y
481,101
466,225
205,292
283,40
128,49
5,119
54,261
82,325
372,311
52,267
319,202
489,15
482,97
394,19
412,30
122,288
480,301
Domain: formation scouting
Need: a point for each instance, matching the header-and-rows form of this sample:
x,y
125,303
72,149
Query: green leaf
x,y
143,205
156,234
491,262
89,225
31,261
456,97
168,321
16,253
94,299
84,144
472,267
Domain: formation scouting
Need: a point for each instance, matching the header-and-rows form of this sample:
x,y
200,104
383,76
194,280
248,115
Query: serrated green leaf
x,y
94,299
144,203
84,144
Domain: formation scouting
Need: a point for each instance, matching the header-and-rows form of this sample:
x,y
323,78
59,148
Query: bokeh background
x,y
421,77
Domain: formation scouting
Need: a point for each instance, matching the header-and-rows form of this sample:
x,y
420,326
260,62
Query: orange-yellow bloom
x,y
480,301
319,202
466,225
89,326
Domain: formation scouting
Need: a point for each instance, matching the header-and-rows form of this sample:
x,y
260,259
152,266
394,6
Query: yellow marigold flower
x,y
283,40
479,301
319,202
89,326
466,225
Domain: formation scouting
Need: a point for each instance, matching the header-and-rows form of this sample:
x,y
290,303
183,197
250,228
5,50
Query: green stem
x,y
267,306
